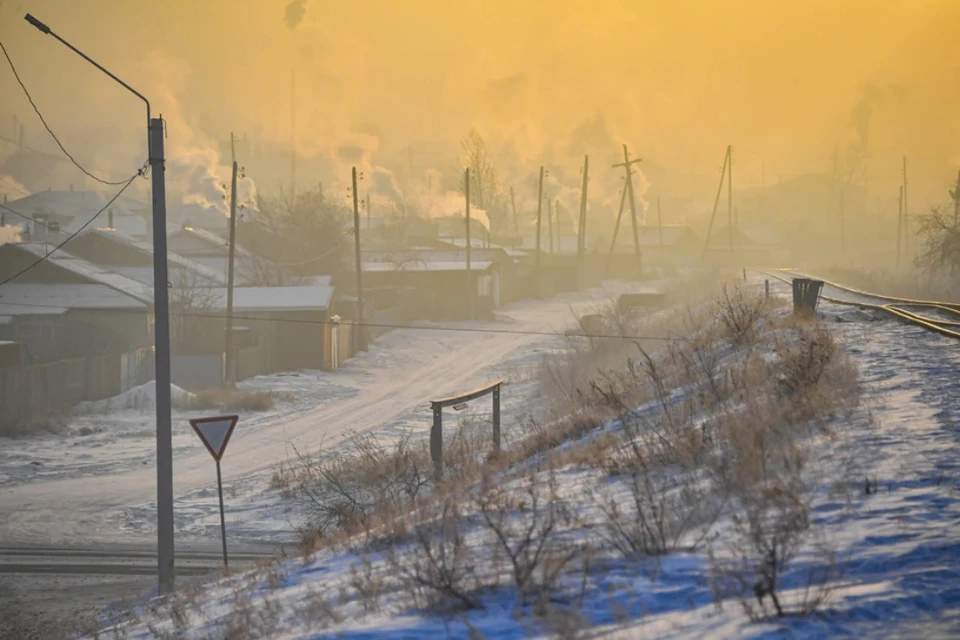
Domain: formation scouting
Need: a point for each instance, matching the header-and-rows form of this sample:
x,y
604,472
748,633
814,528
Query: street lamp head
x,y
39,25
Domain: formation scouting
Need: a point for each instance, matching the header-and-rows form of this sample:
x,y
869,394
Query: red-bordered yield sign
x,y
215,433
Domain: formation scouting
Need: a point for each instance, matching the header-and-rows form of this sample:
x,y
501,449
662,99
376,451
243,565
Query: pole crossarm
x,y
440,403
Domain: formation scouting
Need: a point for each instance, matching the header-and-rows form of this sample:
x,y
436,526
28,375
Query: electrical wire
x,y
50,131
75,233
47,154
10,185
378,325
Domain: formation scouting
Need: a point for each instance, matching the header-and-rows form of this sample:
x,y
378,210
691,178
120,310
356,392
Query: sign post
x,y
215,434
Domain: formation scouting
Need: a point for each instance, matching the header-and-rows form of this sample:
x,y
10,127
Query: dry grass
x,y
230,400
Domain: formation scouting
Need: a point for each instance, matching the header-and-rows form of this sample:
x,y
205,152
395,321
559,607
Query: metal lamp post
x,y
161,327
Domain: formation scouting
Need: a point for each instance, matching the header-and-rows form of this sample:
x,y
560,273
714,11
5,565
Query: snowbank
x,y
139,398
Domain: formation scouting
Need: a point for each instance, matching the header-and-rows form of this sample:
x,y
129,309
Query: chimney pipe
x,y
110,218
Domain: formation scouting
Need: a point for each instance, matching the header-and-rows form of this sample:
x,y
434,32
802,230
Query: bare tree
x,y
488,185
299,235
192,298
939,231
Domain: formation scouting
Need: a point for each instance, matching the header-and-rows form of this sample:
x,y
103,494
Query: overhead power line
x,y
74,234
380,325
50,131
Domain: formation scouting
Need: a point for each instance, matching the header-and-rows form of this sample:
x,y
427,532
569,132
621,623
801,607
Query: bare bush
x,y
525,532
739,313
439,567
348,490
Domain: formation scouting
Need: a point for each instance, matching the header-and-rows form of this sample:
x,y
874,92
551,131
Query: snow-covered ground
x,y
897,545
96,480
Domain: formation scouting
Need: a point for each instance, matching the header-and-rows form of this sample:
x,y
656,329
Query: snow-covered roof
x,y
274,298
478,243
130,224
79,204
64,296
172,258
90,271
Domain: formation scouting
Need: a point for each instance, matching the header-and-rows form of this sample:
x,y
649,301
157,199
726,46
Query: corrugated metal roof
x,y
66,296
127,240
274,298
91,271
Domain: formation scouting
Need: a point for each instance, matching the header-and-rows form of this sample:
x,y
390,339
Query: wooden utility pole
x,y
539,214
359,340
616,228
513,208
582,224
550,226
367,204
229,374
899,225
660,229
716,202
626,164
906,213
556,209
730,199
293,133
470,285
955,194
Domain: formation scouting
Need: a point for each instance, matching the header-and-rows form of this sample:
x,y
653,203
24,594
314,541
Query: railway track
x,y
939,317
121,560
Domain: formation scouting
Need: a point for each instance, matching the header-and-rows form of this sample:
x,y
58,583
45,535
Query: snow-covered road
x,y
104,491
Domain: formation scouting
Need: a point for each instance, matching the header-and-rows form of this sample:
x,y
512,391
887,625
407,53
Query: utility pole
x,y
899,225
730,199
955,194
539,214
513,208
470,285
626,164
162,363
550,225
229,379
616,228
367,204
582,224
293,133
161,310
660,229
359,341
556,209
906,213
716,201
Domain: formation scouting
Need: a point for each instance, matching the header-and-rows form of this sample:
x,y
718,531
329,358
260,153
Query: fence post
x,y
496,420
436,441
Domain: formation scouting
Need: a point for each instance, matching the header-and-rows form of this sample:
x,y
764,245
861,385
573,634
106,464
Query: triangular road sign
x,y
215,433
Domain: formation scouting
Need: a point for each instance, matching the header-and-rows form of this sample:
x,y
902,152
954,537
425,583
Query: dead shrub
x,y
740,313
346,491
439,568
525,533
230,400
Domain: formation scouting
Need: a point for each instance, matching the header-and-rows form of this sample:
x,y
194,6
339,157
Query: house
x,y
68,211
53,322
438,280
275,329
125,255
61,306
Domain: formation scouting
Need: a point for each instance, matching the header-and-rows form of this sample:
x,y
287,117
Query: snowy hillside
x,y
757,467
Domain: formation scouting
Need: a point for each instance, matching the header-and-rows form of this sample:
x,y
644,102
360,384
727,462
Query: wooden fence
x,y
33,394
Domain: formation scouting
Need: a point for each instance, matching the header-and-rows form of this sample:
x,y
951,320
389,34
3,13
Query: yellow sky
x,y
678,81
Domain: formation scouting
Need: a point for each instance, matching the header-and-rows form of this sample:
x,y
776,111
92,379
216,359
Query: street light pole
x,y
155,133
